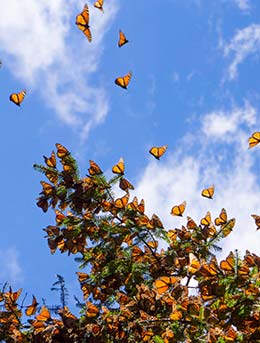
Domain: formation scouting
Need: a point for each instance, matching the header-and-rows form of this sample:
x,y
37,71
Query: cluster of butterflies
x,y
82,21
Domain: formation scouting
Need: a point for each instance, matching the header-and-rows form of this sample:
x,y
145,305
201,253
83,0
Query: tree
x,y
134,291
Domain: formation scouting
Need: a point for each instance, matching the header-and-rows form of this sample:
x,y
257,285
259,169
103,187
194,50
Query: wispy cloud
x,y
45,50
245,43
182,174
244,5
11,270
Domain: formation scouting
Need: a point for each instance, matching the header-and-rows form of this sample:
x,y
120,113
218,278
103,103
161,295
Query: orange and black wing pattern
x,y
157,152
17,98
123,81
99,4
254,139
122,39
82,21
208,192
178,209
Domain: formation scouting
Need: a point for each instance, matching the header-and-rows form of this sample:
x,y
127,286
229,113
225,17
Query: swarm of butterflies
x,y
82,21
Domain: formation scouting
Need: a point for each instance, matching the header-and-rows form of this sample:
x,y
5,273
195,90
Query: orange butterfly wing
x,y
157,152
254,139
119,168
208,192
123,81
17,98
122,39
99,4
82,21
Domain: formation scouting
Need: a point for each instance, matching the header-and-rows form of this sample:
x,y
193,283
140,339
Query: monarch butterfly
x,y
178,209
194,264
82,276
125,185
82,21
209,270
163,283
208,192
122,39
44,315
99,4
50,161
17,98
94,168
119,168
92,310
257,220
47,189
222,219
61,151
122,202
191,225
254,139
206,220
228,265
157,152
228,227
156,221
31,309
123,81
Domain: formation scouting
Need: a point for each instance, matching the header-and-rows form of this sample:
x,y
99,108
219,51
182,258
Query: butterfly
x,y
50,161
208,192
222,219
257,220
123,81
92,310
157,152
44,315
61,151
122,202
206,220
163,283
94,168
194,264
178,209
47,189
228,227
125,185
82,21
17,98
254,139
119,168
31,309
122,39
99,4
228,265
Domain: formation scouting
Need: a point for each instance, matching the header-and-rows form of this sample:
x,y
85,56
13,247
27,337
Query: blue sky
x,y
195,87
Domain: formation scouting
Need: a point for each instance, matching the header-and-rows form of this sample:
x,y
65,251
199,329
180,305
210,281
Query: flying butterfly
x,y
99,4
254,139
31,309
82,21
157,152
222,219
17,98
257,220
123,81
208,192
122,39
178,209
119,168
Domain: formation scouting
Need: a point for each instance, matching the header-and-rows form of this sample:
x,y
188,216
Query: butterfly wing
x,y
82,21
122,39
17,98
157,152
254,139
178,209
208,192
123,81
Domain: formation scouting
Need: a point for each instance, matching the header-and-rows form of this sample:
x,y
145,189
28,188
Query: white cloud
x,y
244,5
183,174
11,270
42,46
246,42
